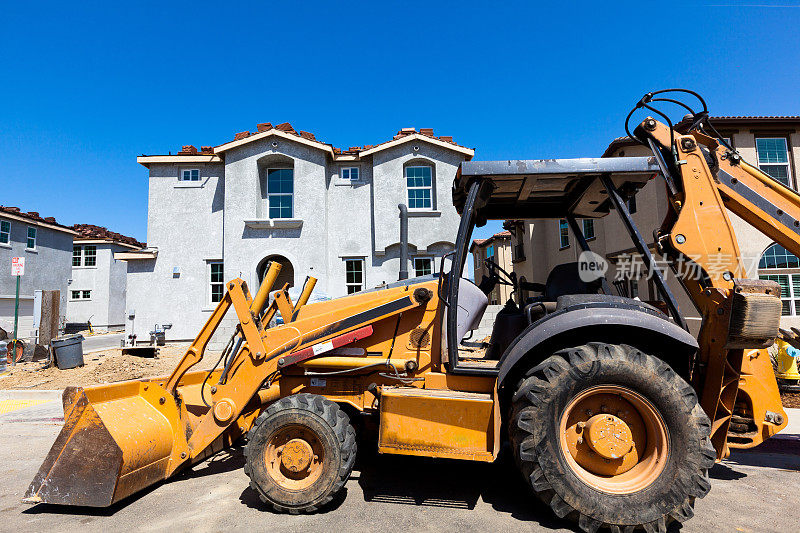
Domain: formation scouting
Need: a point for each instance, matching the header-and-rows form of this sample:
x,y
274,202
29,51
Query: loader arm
x,y
708,179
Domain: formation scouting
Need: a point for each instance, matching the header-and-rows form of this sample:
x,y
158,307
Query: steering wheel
x,y
499,275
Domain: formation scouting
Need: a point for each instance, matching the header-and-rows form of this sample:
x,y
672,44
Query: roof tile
x,y
90,231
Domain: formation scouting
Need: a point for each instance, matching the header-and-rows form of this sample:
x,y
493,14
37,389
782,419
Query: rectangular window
x,y
490,252
76,295
280,192
354,275
419,182
423,266
790,291
86,295
773,158
588,228
350,173
76,256
190,174
216,281
31,245
90,255
563,233
5,232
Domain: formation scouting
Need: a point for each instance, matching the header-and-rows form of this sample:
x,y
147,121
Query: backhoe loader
x,y
613,411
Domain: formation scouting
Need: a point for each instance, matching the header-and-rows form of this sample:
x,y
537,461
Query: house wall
x,y
224,217
46,268
107,281
502,250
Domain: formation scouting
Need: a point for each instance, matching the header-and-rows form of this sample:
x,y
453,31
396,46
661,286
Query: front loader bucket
x,y
117,439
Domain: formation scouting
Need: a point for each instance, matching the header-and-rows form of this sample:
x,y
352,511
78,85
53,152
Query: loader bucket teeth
x,y
114,442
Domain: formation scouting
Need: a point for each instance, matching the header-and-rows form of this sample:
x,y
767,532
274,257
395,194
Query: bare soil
x,y
790,399
102,366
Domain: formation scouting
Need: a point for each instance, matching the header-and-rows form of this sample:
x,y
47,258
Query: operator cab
x,y
535,189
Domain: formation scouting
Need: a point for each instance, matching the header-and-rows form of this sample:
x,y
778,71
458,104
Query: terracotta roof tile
x,y
31,215
264,126
241,135
90,231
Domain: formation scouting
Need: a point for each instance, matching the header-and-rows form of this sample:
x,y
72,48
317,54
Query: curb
x,y
16,394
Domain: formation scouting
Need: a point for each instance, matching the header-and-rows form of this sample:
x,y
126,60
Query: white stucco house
x,y
46,247
223,212
97,286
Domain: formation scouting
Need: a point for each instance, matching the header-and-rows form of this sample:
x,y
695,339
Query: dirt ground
x,y
102,366
790,399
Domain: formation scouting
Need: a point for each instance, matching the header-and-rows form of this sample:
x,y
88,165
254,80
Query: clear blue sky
x,y
86,87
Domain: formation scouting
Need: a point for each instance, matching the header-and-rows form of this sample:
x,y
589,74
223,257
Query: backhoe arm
x,y
740,316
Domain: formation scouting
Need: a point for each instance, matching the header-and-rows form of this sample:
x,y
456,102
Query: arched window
x,y
775,259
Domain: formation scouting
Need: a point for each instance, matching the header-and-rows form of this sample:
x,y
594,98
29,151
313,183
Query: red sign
x,y
17,266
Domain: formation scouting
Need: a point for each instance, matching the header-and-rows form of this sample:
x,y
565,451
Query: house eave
x,y
54,227
469,152
146,160
276,133
146,254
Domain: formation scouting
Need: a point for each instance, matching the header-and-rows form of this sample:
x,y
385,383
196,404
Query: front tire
x,y
611,437
300,453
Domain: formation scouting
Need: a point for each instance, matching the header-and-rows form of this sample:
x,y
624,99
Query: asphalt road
x,y
101,342
752,491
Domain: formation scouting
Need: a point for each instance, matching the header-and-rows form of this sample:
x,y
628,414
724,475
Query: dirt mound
x,y
103,366
790,399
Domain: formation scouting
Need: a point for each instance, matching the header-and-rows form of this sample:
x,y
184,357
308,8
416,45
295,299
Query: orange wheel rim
x,y
293,457
614,439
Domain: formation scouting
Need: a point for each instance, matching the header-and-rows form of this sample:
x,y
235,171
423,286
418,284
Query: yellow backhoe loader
x,y
614,412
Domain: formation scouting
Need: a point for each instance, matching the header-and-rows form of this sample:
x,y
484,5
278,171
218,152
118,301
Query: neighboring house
x,y
772,143
98,283
46,247
496,248
281,195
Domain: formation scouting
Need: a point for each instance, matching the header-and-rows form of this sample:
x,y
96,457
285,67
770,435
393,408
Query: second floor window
x,y
773,158
354,275
490,252
350,173
31,244
5,232
190,174
419,182
563,233
76,256
280,192
588,228
84,255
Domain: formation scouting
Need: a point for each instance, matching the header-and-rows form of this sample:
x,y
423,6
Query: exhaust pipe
x,y
403,241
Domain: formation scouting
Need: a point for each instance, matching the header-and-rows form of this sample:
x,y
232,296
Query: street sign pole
x,y
17,269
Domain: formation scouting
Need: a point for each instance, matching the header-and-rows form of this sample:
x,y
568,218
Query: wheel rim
x,y
293,457
614,439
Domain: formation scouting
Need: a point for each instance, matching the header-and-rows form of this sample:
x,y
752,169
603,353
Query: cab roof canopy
x,y
550,188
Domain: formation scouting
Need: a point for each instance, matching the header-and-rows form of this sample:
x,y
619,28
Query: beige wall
x,y
540,237
502,252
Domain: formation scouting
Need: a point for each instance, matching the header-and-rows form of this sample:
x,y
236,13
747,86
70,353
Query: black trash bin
x,y
68,351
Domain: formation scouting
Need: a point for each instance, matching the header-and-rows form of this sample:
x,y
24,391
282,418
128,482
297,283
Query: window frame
x,y
210,283
350,170
788,164
348,285
429,188
585,233
190,180
28,238
270,194
424,258
7,233
86,256
563,234
77,248
793,298
72,296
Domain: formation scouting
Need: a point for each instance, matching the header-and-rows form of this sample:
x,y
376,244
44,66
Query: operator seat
x,y
563,280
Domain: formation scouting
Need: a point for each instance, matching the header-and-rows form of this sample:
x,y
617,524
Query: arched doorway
x,y
286,275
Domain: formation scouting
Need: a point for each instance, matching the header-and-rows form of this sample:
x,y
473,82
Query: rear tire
x,y
300,453
664,438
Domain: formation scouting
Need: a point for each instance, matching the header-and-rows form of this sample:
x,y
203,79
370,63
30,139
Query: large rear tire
x,y
300,452
611,437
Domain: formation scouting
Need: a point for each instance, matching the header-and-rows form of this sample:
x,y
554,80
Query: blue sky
x,y
86,88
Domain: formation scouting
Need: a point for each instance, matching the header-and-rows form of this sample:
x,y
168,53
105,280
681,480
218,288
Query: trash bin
x,y
68,351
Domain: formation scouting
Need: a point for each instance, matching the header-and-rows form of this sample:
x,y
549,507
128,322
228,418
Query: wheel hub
x,y
296,455
608,436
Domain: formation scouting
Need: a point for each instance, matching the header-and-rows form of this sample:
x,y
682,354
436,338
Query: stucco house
x,y
97,287
772,143
279,194
498,249
46,247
